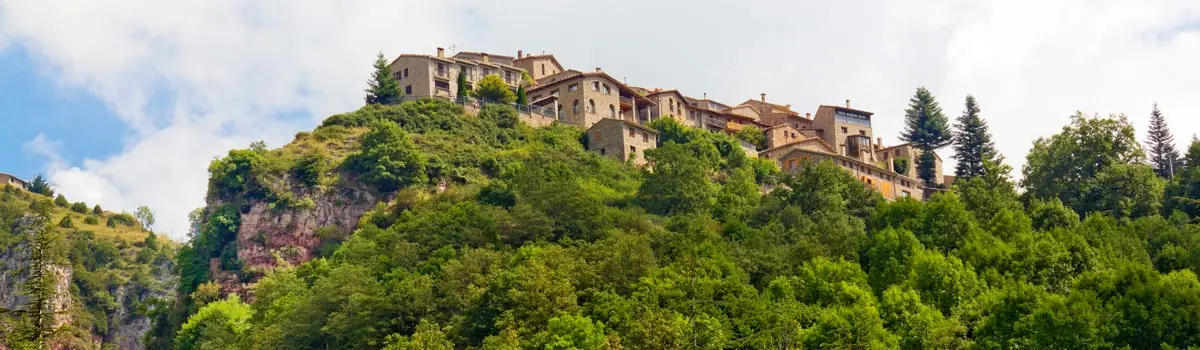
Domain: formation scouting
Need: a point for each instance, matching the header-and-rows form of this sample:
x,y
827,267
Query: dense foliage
x,y
539,244
117,274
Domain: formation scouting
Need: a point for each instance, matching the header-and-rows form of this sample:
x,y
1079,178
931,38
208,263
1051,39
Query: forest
x,y
491,234
502,236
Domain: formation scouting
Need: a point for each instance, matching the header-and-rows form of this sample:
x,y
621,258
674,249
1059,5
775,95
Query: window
x,y
692,115
904,193
397,75
487,71
441,85
632,151
595,86
592,106
441,69
844,131
508,76
612,111
601,151
575,107
607,91
646,137
862,133
543,69
408,90
560,109
467,72
406,72
671,104
573,87
596,135
632,132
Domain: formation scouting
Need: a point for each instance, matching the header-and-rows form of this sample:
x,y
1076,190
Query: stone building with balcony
x,y
437,75
621,139
584,99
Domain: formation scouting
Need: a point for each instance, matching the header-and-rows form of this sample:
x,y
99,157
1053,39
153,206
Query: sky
x,y
125,103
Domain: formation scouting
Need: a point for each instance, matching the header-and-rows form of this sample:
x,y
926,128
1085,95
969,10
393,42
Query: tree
x,y
1066,165
679,182
383,87
218,325
427,337
493,89
40,186
145,216
388,159
574,332
464,88
927,128
61,201
522,99
972,142
41,281
1161,145
97,211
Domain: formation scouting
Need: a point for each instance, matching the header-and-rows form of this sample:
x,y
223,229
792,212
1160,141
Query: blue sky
x,y
32,102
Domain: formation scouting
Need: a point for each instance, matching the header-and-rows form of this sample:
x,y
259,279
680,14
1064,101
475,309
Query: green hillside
x,y
495,235
118,270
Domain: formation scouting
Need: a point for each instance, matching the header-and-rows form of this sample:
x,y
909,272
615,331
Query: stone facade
x,y
586,98
791,157
782,134
621,139
437,76
847,130
6,179
912,154
538,66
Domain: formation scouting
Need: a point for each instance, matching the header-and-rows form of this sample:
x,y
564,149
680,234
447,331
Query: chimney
x,y
441,53
705,95
807,115
520,54
878,143
847,103
485,58
598,70
763,97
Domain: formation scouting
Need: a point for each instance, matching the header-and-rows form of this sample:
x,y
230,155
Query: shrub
x,y
91,220
61,201
66,222
122,219
388,160
97,211
234,174
504,116
79,207
492,88
308,168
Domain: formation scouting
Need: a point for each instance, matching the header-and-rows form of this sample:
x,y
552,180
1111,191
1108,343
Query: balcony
x,y
734,126
626,102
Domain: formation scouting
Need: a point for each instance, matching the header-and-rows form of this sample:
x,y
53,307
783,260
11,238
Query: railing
x,y
627,100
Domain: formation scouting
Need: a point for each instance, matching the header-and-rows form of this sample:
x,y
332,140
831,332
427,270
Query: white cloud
x,y
194,79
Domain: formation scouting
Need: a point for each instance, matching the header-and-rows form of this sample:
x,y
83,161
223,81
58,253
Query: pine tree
x,y
383,87
1163,155
41,186
522,98
927,127
972,142
463,90
40,280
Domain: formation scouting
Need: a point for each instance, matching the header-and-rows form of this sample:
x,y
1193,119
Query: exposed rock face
x,y
15,261
292,231
128,328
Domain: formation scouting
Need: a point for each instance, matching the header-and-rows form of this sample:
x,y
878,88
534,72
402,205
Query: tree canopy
x,y
928,128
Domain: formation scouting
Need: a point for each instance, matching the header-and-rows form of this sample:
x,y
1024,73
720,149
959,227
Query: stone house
x,y
621,139
910,154
538,66
437,76
792,156
583,99
7,179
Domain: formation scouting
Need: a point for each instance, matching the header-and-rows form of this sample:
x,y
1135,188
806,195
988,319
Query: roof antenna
x,y
453,49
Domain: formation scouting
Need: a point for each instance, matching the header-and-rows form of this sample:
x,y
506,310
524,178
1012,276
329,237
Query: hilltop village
x,y
615,115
